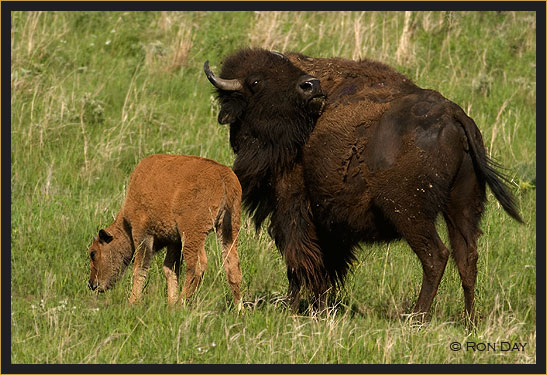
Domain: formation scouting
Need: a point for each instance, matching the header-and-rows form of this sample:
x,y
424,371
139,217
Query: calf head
x,y
266,99
108,259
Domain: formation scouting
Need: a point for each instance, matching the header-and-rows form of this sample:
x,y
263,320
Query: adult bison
x,y
375,159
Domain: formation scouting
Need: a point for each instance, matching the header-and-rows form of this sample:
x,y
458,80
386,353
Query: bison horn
x,y
219,83
280,55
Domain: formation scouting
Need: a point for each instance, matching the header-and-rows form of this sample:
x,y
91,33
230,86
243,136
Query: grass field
x,y
93,93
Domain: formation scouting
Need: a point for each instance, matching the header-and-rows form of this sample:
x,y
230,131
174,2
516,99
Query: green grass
x,y
94,93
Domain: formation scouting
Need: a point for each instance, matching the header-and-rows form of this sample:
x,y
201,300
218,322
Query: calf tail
x,y
486,167
227,226
230,207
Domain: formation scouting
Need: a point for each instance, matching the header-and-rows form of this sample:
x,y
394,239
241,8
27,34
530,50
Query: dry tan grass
x,y
357,33
405,51
170,51
267,32
432,22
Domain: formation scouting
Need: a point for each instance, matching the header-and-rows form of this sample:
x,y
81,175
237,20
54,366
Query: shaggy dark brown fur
x,y
172,201
382,161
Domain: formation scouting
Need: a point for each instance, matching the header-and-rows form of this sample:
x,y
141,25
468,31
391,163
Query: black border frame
x,y
8,6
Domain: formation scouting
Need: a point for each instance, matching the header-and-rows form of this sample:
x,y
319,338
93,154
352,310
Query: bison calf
x,y
172,201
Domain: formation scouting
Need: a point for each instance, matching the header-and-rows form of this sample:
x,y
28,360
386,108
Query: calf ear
x,y
104,236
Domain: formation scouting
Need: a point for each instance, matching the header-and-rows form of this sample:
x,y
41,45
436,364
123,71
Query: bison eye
x,y
92,255
255,82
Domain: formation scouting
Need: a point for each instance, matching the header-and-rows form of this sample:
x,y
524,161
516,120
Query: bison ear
x,y
231,109
104,236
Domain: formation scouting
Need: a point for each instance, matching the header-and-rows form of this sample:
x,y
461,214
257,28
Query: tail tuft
x,y
486,167
497,182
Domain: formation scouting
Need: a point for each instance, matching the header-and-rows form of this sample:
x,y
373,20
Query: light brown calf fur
x,y
172,201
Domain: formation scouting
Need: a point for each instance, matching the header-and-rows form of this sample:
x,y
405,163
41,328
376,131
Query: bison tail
x,y
486,167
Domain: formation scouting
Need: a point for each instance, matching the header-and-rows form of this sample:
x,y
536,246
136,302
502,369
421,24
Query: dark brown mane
x,y
265,146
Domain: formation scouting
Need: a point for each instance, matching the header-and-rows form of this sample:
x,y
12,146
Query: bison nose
x,y
309,86
92,285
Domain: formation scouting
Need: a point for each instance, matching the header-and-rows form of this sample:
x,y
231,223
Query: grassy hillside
x,y
93,93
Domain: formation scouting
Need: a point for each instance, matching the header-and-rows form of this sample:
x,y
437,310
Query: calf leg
x,y
227,233
196,264
171,269
143,257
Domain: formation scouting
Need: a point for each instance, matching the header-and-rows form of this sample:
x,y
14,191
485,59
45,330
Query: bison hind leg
x,y
462,217
433,255
423,238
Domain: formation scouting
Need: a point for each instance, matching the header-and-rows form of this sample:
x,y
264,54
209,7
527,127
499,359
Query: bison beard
x,y
269,124
381,162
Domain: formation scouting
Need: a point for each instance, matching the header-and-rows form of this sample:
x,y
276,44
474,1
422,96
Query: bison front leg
x,y
143,258
309,272
293,293
295,235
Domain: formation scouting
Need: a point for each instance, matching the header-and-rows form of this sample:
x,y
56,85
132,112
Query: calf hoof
x,y
133,300
172,302
239,307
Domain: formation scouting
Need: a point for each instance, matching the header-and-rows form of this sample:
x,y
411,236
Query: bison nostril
x,y
91,285
307,86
